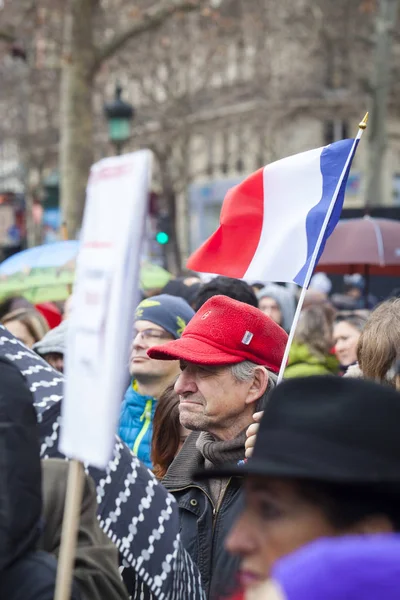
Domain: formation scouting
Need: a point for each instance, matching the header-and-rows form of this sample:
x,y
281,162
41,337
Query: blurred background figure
x,y
13,303
278,303
311,351
51,313
168,434
226,286
316,298
321,283
257,286
378,349
346,333
354,294
52,347
178,287
26,324
190,278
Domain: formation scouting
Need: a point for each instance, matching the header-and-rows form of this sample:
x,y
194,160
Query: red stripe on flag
x,y
230,250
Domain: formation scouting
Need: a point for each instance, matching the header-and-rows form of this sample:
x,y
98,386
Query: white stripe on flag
x,y
282,249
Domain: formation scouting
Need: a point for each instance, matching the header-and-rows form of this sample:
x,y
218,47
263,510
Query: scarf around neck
x,y
219,452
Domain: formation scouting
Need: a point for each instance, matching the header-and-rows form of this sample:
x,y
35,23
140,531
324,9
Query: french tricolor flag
x,y
276,222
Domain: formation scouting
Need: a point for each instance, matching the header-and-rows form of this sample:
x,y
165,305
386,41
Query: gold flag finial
x,y
363,124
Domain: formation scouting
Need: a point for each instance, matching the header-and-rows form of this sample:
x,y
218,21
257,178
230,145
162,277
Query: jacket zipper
x,y
216,510
146,416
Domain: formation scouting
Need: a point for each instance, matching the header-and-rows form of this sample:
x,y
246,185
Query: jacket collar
x,y
132,395
187,462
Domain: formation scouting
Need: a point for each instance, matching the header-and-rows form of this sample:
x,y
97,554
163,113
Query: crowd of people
x,y
284,491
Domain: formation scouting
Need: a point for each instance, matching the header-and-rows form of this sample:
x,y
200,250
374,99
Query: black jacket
x,y
203,526
25,573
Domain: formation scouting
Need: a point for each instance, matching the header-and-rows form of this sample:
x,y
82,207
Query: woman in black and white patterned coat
x,y
134,509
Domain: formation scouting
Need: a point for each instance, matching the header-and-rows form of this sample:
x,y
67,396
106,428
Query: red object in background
x,y
50,312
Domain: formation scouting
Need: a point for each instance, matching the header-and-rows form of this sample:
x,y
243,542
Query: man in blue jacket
x,y
158,320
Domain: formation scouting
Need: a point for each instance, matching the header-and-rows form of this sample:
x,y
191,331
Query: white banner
x,y
105,295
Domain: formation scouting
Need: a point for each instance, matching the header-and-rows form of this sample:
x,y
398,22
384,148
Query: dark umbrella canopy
x,y
368,246
134,509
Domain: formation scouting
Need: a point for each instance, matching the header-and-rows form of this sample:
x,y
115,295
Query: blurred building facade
x,y
274,80
217,95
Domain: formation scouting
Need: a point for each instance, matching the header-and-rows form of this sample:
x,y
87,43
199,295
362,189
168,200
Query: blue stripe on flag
x,y
333,160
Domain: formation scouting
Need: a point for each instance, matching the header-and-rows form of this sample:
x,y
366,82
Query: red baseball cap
x,y
224,332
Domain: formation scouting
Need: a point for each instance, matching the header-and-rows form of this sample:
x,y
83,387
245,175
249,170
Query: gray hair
x,y
244,371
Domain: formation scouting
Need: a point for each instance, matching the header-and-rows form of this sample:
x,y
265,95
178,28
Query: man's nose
x,y
185,384
339,345
138,342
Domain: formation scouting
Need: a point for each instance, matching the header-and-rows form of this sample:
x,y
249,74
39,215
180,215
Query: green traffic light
x,y
162,237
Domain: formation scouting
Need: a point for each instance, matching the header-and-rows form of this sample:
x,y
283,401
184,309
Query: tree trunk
x,y
377,130
76,114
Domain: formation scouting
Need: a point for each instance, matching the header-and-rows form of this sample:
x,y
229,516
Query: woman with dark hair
x,y
168,434
316,472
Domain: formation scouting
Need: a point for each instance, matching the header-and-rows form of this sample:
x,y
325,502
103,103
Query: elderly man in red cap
x,y
229,354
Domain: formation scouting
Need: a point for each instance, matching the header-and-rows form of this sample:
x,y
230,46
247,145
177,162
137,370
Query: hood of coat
x,y
285,300
20,471
54,341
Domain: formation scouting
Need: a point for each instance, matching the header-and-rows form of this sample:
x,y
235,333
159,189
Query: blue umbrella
x,y
56,254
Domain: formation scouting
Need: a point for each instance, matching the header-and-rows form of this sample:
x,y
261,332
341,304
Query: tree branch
x,y
7,36
151,19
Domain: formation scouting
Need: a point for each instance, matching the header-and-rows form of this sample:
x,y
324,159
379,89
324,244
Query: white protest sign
x,y
105,295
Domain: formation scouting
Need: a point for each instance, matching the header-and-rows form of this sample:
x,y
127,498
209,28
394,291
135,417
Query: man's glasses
x,y
151,335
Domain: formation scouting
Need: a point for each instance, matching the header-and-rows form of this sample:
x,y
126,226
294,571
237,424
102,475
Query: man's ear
x,y
258,386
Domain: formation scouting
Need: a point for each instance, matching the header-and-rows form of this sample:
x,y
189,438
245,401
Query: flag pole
x,y
361,128
71,517
69,532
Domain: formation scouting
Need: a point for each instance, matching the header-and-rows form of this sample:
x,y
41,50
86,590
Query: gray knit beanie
x,y
53,341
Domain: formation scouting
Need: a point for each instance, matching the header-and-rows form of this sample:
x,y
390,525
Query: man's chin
x,y
139,370
189,421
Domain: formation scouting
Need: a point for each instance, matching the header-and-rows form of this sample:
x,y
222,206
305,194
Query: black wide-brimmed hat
x,y
326,428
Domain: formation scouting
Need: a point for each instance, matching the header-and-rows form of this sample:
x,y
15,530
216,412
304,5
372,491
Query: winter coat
x,y
136,423
32,577
303,363
203,526
96,557
133,508
25,573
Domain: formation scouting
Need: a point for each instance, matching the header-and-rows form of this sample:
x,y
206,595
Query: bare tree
x,y
386,21
82,58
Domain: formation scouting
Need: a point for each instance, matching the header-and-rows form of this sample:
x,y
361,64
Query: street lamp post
x,y
119,115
